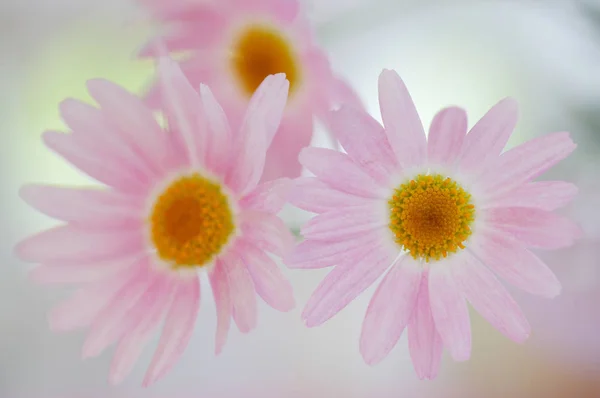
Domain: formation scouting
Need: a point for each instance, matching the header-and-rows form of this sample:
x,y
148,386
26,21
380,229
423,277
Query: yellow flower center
x,y
431,216
191,221
261,51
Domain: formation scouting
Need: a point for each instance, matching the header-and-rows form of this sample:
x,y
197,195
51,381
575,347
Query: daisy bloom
x,y
439,215
176,204
232,45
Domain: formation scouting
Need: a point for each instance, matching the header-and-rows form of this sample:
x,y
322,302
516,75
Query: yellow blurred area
x,y
88,48
93,47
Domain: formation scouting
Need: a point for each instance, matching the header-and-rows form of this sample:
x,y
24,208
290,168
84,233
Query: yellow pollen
x,y
191,221
431,216
262,51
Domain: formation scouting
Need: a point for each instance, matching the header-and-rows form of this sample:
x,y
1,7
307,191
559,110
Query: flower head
x,y
175,205
232,45
437,214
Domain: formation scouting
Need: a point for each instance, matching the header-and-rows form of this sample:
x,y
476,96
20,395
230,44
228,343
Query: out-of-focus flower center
x,y
431,216
191,222
261,51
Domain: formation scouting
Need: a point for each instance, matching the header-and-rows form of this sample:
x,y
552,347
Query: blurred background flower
x,y
469,53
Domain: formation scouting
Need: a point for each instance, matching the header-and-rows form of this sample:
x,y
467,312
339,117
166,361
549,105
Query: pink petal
x,y
84,305
219,136
243,295
488,137
544,195
450,312
342,285
95,131
525,162
87,159
195,29
491,299
342,93
177,332
79,273
69,244
220,289
184,110
390,310
136,123
446,136
312,194
268,197
294,134
316,254
364,139
424,341
122,314
93,208
131,346
267,232
268,279
344,223
508,258
340,172
260,124
401,120
534,227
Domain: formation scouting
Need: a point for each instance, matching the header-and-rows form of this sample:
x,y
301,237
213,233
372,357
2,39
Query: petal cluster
x,y
277,38
350,193
127,291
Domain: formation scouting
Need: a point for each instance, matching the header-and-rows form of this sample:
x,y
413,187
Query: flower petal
x,y
79,273
268,197
489,136
316,254
534,227
343,284
267,232
123,313
102,167
294,134
219,138
94,208
525,162
490,299
259,126
69,244
268,279
446,136
130,348
390,310
508,258
83,307
95,130
184,110
543,195
177,332
136,122
450,312
312,194
424,341
364,139
243,294
344,223
221,294
340,172
401,120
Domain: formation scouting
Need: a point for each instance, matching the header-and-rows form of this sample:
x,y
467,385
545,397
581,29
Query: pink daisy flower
x,y
176,204
232,45
439,215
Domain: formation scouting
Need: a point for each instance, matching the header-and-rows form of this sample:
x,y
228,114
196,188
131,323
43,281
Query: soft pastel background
x,y
470,53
